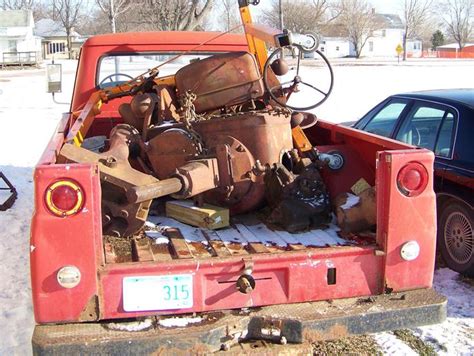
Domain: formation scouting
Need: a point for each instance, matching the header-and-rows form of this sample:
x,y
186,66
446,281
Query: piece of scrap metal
x,y
7,204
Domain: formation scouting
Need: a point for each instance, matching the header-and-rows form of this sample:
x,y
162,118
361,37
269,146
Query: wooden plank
x,y
217,244
208,216
179,245
141,250
110,256
234,241
291,240
254,244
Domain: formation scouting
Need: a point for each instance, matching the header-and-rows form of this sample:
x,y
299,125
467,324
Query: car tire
x,y
456,237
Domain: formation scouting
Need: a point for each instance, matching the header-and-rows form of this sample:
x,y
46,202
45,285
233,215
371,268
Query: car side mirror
x,y
54,78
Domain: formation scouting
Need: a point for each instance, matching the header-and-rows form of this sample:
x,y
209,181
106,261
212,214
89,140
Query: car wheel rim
x,y
459,237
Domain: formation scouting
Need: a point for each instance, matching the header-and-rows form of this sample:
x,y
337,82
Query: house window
x,y
337,48
12,46
56,47
384,33
371,46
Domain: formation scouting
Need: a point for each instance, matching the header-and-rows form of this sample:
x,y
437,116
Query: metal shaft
x,y
152,191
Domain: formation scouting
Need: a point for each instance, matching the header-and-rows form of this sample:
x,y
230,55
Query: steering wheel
x,y
110,76
281,93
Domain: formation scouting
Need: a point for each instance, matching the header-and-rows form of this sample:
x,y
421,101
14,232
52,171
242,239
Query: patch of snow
x,y
190,233
351,201
158,237
139,325
456,335
179,322
162,241
391,345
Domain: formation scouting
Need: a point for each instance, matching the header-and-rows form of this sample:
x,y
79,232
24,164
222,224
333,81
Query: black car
x,y
442,121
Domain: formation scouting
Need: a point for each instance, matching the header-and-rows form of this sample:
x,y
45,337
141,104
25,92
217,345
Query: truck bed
x,y
165,239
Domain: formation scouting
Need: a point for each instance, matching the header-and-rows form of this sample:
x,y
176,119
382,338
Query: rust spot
x,y
336,331
91,311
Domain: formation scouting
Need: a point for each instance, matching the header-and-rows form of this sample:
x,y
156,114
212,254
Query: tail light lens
x,y
64,198
412,179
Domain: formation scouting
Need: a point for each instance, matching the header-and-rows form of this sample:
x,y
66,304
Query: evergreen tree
x,y
437,39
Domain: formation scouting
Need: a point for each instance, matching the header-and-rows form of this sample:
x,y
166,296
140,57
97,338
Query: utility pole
x,y
280,15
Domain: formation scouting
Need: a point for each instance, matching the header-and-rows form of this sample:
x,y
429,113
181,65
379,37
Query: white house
x,y
54,39
336,47
387,37
382,43
18,43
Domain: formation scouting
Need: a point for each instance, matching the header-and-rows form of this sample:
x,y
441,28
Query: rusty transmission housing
x,y
224,173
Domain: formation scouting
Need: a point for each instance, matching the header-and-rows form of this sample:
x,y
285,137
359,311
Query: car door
x,y
382,120
432,126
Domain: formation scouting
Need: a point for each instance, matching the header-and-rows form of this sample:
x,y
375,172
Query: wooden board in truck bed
x,y
165,239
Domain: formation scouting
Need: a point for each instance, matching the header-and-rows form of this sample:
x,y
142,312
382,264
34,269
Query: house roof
x,y
51,28
389,20
455,45
15,18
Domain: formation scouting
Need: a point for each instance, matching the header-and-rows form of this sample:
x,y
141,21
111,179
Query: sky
x,y
381,6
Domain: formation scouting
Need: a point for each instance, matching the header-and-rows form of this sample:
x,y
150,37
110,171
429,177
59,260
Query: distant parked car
x,y
442,121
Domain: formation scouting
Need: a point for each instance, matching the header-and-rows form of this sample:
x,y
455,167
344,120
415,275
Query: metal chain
x,y
186,101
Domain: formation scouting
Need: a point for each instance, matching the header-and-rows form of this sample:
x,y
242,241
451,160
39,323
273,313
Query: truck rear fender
x,y
406,215
69,240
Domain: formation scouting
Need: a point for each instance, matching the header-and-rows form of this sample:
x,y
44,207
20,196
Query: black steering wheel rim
x,y
110,76
297,80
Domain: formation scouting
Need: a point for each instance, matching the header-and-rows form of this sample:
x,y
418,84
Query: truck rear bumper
x,y
310,322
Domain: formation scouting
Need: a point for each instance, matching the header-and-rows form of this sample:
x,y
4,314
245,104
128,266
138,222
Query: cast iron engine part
x,y
119,217
235,142
298,202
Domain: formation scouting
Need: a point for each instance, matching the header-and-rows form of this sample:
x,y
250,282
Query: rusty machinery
x,y
220,130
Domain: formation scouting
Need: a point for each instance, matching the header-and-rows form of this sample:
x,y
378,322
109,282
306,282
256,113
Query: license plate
x,y
144,293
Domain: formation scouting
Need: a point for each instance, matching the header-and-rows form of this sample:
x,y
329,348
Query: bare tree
x,y
416,14
359,20
176,15
300,16
17,4
113,9
229,12
68,12
459,15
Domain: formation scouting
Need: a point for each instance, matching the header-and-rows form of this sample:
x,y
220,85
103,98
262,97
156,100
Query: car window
x,y
116,69
384,121
421,125
444,144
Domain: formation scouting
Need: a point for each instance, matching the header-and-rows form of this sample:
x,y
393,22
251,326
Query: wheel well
x,y
445,199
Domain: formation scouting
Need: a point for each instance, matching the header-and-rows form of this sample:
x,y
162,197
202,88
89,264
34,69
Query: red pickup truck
x,y
88,271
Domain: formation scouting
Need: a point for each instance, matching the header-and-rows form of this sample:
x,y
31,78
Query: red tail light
x,y
64,198
412,179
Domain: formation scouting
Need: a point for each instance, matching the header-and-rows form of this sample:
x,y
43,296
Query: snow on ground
x,y
456,334
28,117
391,345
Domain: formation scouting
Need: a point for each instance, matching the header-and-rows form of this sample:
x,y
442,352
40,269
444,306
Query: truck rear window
x,y
118,69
